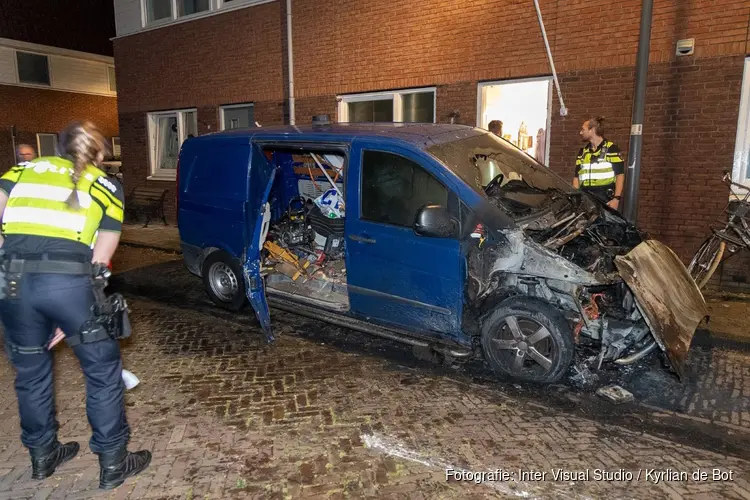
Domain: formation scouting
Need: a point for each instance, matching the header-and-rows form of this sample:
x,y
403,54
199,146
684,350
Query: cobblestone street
x,y
328,413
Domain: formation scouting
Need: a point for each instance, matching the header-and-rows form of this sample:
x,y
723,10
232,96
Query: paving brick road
x,y
315,416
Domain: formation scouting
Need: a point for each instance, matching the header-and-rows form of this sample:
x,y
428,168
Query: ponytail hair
x,y
83,144
597,124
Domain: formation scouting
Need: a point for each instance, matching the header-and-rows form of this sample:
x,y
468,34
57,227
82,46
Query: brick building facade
x,y
235,55
51,76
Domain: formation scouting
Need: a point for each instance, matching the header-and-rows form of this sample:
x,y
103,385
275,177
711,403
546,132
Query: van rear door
x,y
261,178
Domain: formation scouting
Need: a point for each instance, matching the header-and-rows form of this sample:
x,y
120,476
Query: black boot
x,y
117,466
45,460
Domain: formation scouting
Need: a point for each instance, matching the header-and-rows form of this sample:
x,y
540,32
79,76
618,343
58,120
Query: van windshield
x,y
479,159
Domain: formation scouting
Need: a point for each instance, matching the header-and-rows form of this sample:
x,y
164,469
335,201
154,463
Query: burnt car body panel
x,y
672,304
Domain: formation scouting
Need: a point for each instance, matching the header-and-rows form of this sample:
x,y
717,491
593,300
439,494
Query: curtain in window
x,y
167,142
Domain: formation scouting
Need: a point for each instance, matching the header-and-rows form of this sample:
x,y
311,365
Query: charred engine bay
x,y
571,224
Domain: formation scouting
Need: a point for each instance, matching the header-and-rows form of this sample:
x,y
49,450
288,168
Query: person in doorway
x,y
600,169
496,127
53,210
24,153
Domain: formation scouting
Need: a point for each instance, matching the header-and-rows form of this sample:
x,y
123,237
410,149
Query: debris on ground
x,y
615,394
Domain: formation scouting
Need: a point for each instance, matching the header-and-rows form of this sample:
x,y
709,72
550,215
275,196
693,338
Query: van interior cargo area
x,y
302,237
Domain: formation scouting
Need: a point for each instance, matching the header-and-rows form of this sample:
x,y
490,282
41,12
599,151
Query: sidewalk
x,y
156,235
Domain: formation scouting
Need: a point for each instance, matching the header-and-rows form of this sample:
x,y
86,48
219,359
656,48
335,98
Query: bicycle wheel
x,y
706,260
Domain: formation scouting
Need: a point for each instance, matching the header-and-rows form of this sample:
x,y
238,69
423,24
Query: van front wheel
x,y
222,277
528,340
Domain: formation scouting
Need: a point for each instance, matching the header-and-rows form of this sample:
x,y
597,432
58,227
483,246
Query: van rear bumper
x,y
191,254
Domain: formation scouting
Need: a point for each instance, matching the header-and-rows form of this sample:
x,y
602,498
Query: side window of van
x,y
394,188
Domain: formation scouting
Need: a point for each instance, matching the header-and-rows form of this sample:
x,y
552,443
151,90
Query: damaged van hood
x,y
667,296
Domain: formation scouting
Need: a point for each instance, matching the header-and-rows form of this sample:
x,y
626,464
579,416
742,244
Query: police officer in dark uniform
x,y
61,216
600,169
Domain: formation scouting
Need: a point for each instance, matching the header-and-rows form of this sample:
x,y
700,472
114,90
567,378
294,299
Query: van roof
x,y
422,135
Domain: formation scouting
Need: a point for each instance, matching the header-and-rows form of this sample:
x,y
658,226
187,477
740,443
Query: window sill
x,y
164,177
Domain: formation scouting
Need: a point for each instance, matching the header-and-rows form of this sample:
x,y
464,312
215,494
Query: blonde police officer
x,y
51,210
600,169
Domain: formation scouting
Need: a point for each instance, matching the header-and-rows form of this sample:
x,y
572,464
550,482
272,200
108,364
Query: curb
x,y
161,248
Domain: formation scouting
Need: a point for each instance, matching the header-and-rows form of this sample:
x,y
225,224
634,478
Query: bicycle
x,y
725,241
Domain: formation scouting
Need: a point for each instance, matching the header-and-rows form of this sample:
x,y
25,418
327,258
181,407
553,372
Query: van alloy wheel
x,y
529,340
223,281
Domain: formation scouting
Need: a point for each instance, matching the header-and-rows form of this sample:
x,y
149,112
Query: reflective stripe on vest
x,y
596,172
36,204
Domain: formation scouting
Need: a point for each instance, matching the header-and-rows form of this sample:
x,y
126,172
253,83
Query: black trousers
x,y
46,301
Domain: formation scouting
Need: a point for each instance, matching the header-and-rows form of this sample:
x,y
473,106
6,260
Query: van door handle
x,y
361,239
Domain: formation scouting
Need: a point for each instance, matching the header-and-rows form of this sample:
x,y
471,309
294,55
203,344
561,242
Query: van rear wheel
x,y
528,340
222,277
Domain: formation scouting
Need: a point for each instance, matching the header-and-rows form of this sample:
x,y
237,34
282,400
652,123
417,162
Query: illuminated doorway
x,y
525,109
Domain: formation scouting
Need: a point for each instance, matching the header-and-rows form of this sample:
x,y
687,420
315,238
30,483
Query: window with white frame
x,y
32,68
237,116
158,10
167,131
403,106
740,170
524,110
190,7
163,11
46,144
111,78
116,147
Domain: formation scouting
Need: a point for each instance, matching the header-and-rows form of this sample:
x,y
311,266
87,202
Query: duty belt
x,y
19,266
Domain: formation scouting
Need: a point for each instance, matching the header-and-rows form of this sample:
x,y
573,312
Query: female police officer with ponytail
x,y
53,209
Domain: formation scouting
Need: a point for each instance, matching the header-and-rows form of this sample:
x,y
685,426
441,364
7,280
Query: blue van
x,y
439,236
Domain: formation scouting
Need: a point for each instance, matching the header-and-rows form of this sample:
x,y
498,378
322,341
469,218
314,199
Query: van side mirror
x,y
435,221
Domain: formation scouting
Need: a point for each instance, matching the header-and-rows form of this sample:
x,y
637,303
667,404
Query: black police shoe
x,y
45,460
117,466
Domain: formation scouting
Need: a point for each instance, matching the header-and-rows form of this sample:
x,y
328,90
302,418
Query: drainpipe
x,y
290,58
633,174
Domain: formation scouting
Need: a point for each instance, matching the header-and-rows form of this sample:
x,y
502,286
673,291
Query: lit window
x,y
33,68
740,171
46,144
524,108
167,132
405,106
237,116
188,7
112,80
158,10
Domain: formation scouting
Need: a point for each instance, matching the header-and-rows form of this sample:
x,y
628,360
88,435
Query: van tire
x,y
224,281
541,333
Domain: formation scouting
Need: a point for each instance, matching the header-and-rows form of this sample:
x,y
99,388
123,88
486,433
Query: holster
x,y
109,318
8,283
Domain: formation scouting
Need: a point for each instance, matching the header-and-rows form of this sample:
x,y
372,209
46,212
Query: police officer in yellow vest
x,y
600,169
61,216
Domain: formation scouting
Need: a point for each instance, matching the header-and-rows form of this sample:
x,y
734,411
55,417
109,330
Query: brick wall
x,y
348,46
35,111
85,25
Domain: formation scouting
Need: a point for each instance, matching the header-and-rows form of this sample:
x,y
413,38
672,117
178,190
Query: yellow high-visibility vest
x,y
36,204
595,167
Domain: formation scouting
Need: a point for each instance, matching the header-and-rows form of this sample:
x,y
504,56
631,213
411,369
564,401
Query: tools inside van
x,y
304,251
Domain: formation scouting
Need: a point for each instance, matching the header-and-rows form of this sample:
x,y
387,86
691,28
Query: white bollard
x,y
130,380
